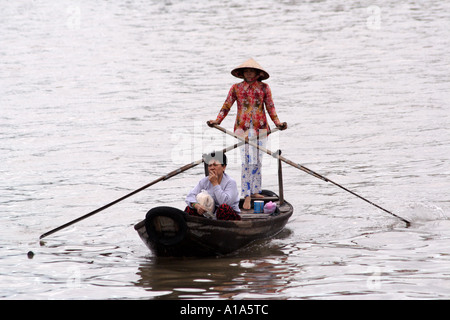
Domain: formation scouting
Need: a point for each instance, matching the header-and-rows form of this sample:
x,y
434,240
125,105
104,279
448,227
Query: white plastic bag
x,y
205,199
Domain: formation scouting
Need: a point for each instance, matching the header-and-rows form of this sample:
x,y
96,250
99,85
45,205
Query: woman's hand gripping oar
x,y
303,168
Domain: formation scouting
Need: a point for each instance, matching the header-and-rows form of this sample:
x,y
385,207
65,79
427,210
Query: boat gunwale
x,y
257,221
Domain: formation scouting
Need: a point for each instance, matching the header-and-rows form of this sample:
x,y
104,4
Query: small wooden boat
x,y
169,231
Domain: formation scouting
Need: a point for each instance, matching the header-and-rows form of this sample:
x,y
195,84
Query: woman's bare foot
x,y
257,195
247,203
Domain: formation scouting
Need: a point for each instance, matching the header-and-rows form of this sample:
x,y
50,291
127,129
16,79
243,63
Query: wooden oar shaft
x,y
167,176
273,154
163,178
303,168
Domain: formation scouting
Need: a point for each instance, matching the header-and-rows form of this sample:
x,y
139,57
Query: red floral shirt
x,y
251,99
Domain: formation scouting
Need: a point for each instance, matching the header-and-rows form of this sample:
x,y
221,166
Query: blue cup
x,y
258,206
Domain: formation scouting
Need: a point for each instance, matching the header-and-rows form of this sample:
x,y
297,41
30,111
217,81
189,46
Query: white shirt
x,y
225,192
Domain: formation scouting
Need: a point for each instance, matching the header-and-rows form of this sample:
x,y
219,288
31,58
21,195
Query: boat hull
x,y
169,231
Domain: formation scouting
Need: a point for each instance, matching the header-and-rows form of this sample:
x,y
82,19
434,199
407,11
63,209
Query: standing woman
x,y
251,96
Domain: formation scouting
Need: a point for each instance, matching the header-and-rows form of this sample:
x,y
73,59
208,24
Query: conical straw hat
x,y
250,63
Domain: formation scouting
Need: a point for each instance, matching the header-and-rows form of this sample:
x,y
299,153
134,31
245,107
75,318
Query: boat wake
x,y
418,212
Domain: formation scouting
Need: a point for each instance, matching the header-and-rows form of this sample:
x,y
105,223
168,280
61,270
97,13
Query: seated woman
x,y
220,186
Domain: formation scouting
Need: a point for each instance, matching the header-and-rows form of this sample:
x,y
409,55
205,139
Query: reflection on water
x,y
260,271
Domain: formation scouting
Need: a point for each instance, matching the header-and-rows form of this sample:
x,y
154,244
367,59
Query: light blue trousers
x,y
251,168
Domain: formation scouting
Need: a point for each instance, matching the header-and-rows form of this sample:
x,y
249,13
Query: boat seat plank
x,y
248,216
265,199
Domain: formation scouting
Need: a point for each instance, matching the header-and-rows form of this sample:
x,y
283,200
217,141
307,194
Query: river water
x,y
99,98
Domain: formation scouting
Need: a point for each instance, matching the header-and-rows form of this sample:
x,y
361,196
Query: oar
x,y
167,176
303,168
